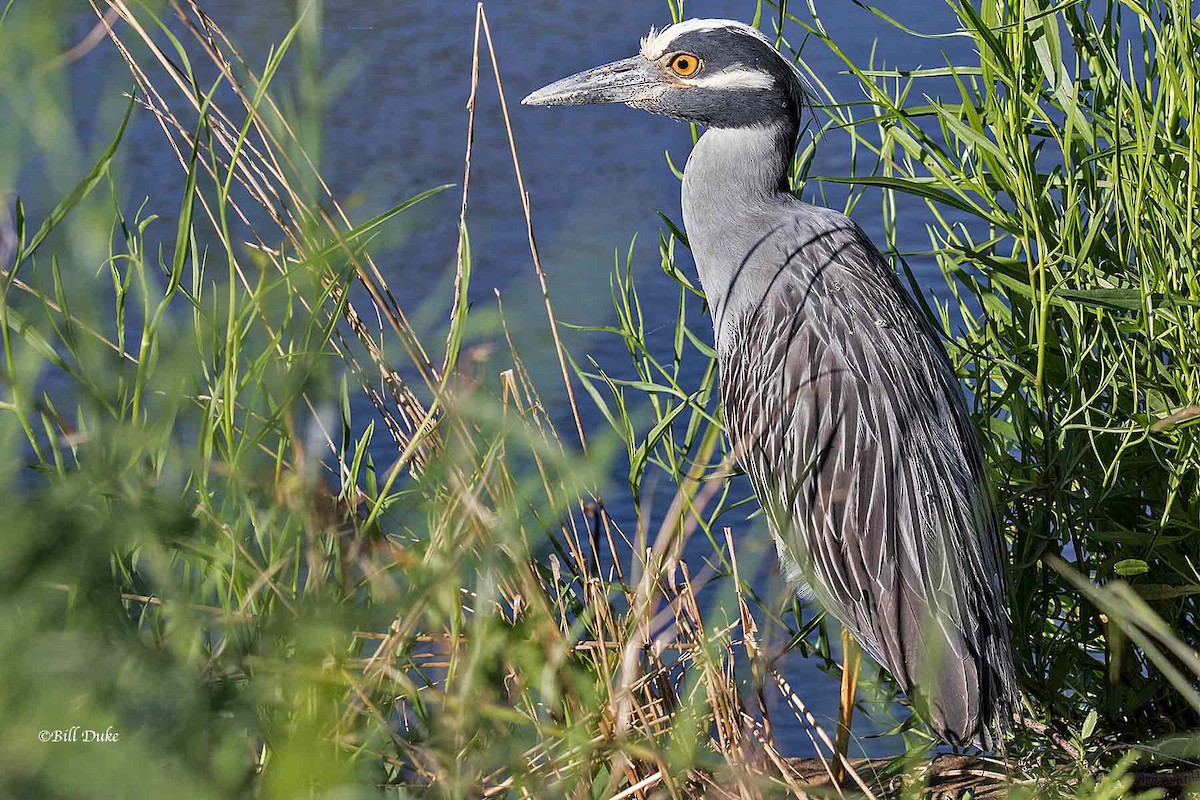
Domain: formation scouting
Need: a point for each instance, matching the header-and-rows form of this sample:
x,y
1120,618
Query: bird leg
x,y
851,661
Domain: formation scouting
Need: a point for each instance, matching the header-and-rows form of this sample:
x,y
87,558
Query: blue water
x,y
395,124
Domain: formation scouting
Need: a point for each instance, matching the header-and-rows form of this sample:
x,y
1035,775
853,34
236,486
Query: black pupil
x,y
683,64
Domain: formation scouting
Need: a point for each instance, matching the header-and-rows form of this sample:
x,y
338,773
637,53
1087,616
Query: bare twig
x,y
533,248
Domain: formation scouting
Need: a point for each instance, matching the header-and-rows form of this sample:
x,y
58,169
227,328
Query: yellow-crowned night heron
x,y
838,398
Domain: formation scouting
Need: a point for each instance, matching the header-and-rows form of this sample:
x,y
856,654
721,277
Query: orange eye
x,y
685,65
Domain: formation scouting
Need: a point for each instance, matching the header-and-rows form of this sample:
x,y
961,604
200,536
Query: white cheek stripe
x,y
733,79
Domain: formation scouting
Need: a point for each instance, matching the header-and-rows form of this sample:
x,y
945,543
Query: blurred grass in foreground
x,y
201,552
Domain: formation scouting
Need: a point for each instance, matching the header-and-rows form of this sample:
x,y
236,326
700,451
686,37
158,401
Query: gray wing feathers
x,y
845,412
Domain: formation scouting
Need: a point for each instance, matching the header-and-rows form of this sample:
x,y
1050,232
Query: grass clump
x,y
205,553
1060,175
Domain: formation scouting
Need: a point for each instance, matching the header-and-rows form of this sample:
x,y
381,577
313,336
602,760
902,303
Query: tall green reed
x,y
1055,172
204,552
1059,176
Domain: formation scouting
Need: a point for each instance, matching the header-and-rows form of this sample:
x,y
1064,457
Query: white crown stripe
x,y
656,43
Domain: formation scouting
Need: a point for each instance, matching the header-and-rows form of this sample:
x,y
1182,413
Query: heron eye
x,y
685,65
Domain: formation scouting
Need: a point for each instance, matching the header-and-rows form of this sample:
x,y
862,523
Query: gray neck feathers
x,y
735,186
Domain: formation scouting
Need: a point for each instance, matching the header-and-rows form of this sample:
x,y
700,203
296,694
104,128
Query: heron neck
x,y
733,181
751,161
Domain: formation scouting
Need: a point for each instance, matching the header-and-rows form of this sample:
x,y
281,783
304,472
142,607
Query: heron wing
x,y
846,413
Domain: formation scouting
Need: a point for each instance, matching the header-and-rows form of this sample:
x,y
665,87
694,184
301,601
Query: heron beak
x,y
618,82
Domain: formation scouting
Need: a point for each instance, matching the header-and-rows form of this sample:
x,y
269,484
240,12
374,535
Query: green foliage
x,y
1058,169
1061,177
202,554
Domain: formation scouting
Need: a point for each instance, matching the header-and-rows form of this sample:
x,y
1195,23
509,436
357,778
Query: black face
x,y
738,81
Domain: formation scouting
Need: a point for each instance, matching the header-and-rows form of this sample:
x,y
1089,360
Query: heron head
x,y
715,72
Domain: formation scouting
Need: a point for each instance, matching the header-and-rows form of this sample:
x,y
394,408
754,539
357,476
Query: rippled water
x,y
596,176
